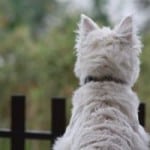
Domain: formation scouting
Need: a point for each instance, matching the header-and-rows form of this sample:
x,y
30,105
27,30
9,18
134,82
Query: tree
x,y
99,11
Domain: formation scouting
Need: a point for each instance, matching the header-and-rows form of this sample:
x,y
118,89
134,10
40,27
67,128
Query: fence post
x,y
58,121
142,114
18,122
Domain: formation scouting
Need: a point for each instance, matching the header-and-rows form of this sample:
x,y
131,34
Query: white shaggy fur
x,y
105,114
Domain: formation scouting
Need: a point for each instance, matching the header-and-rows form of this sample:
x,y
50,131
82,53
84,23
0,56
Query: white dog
x,y
105,109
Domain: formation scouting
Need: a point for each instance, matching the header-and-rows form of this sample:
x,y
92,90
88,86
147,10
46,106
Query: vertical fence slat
x,y
58,117
142,114
17,122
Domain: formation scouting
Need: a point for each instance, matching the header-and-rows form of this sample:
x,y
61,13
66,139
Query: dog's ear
x,y
86,25
125,29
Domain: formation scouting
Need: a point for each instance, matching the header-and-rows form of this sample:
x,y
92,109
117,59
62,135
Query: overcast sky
x,y
116,9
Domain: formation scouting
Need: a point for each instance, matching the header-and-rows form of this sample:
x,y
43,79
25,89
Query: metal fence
x,y
18,133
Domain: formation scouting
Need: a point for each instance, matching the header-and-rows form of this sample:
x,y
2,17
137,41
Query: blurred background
x,y
37,53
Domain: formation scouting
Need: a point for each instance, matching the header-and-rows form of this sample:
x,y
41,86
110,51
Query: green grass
x,y
4,144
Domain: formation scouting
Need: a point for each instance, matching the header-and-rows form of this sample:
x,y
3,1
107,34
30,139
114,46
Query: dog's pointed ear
x,y
86,25
125,28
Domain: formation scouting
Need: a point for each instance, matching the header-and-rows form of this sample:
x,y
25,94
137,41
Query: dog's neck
x,y
103,79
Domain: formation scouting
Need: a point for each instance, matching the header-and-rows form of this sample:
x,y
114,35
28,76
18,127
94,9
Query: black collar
x,y
102,79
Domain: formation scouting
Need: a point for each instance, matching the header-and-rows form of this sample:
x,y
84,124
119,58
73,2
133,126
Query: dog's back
x,y
105,109
105,117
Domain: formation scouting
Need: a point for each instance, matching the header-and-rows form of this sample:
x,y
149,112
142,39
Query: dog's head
x,y
107,52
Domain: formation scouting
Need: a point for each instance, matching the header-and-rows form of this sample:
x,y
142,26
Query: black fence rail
x,y
18,133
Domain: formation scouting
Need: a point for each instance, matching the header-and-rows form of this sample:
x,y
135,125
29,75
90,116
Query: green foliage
x,y
41,65
29,12
99,12
39,69
143,85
